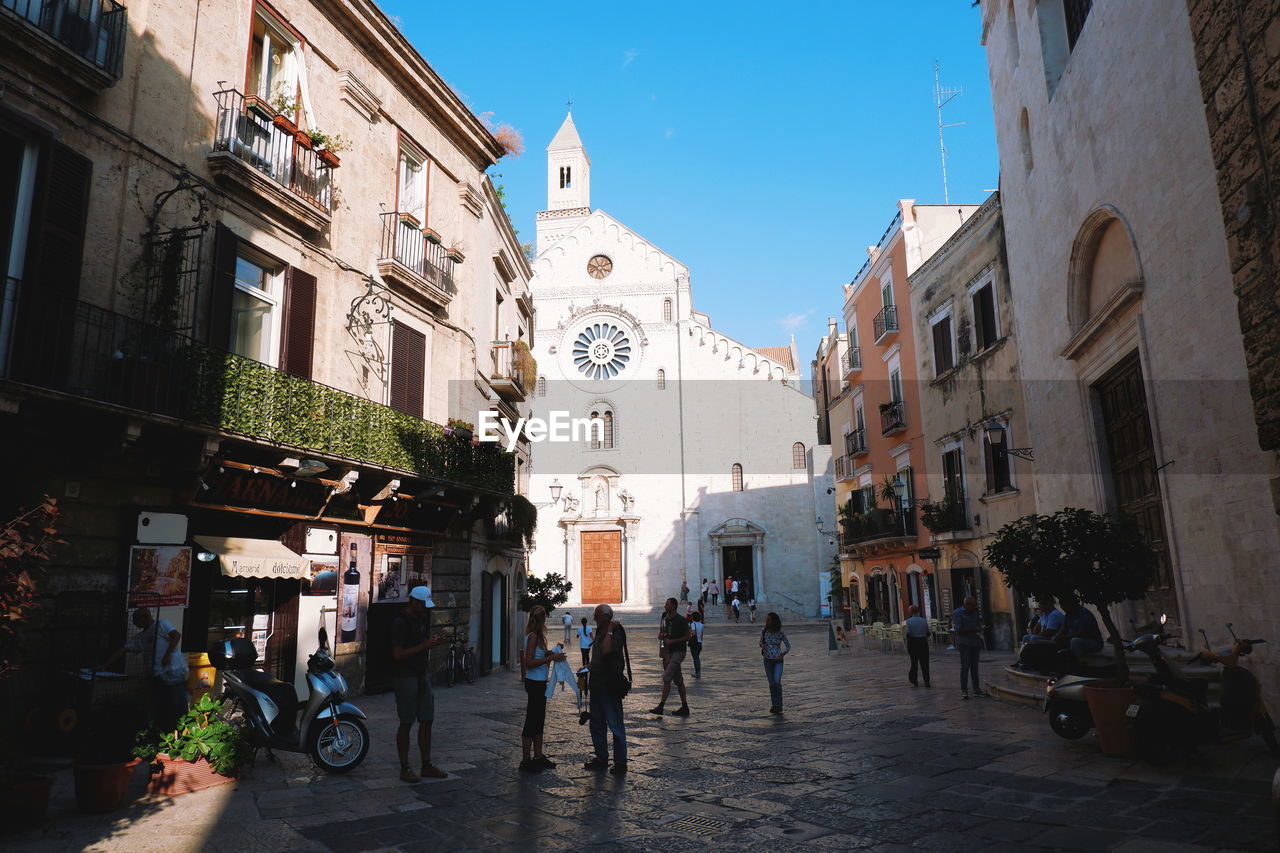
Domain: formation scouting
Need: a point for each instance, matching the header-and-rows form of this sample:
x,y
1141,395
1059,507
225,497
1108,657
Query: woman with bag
x,y
772,640
536,660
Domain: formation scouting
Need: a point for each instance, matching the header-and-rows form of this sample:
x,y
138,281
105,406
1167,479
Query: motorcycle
x,y
328,728
1176,718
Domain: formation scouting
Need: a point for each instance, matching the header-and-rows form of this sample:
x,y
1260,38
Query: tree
x,y
25,543
550,592
1099,559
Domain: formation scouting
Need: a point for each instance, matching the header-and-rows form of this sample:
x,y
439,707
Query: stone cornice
x,y
1128,293
988,208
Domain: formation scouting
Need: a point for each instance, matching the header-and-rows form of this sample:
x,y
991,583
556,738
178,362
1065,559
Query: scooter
x,y
1176,718
329,729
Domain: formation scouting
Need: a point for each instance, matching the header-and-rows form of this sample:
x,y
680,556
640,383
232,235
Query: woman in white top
x,y
695,644
585,635
536,659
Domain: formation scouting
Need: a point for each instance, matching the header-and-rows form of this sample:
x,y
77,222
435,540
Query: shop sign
x,y
159,575
929,554
237,487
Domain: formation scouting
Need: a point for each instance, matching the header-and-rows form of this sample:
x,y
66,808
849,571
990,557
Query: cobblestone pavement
x,y
860,760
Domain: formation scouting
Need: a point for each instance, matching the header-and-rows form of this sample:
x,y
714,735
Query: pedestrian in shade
x,y
585,634
916,630
674,635
684,592
772,643
966,621
702,593
536,659
609,682
568,626
714,590
737,609
695,642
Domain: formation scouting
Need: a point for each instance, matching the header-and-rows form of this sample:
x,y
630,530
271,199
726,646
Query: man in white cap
x,y
410,640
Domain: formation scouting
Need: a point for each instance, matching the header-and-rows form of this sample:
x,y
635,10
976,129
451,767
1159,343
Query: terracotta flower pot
x,y
284,123
432,236
328,158
1108,704
173,776
102,787
303,139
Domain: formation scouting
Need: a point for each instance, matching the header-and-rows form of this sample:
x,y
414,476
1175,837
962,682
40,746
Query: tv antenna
x,y
942,97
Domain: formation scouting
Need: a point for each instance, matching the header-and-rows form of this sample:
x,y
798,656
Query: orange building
x,y
876,426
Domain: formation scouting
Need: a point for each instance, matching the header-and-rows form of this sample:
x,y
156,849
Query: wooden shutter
x,y
58,233
299,322
226,246
984,315
942,346
408,369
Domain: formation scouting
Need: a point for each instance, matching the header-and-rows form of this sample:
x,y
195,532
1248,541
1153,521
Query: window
x,y
944,355
1076,12
608,430
985,326
662,379
566,178
797,456
1011,33
1024,141
413,184
895,385
666,310
737,477
254,307
1061,23
542,386
953,477
408,369
999,477
595,439
594,435
273,63
886,292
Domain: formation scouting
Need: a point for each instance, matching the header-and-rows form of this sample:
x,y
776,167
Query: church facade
x,y
707,462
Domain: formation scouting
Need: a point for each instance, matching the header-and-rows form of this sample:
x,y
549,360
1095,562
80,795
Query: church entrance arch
x,y
737,548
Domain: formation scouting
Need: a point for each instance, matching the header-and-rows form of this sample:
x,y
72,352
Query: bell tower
x,y
568,185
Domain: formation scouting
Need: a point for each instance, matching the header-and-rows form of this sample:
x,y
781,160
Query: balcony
x,y
258,152
851,360
411,258
844,468
879,527
893,417
91,31
855,443
886,323
513,370
947,520
86,352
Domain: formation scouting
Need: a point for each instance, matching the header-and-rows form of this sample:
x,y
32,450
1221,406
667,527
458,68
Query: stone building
x,y
253,266
1237,51
967,364
1129,344
705,465
881,440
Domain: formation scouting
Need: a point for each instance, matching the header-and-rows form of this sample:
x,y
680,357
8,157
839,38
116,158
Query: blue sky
x,y
764,145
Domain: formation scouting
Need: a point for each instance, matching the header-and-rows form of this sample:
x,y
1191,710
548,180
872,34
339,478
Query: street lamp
x,y
555,488
830,537
900,493
996,436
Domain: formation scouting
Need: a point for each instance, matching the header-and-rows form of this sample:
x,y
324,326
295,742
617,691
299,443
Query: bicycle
x,y
462,661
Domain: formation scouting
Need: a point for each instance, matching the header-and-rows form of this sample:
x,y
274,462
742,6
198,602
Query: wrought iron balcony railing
x,y
844,468
268,142
893,417
852,360
876,525
886,322
512,373
405,242
88,352
93,30
855,443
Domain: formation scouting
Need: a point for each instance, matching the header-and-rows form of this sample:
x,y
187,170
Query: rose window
x,y
601,351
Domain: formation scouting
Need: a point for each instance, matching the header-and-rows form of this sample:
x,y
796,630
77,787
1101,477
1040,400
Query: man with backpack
x,y
610,682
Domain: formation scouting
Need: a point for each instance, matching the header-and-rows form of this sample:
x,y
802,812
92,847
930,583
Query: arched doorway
x,y
738,549
495,628
879,608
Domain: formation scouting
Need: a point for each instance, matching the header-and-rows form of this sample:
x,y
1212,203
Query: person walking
x,y
702,593
410,640
585,635
737,610
916,631
608,685
751,609
714,590
684,592
772,642
728,592
674,635
966,622
536,659
568,626
695,642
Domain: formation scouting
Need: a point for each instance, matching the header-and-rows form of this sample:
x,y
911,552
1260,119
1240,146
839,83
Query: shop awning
x,y
255,558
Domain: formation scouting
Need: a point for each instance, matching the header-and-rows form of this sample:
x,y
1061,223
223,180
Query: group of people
x,y
606,661
737,594
966,629
1056,639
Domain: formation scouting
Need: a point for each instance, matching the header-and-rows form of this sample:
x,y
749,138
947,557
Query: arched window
x,y
666,310
662,380
737,477
542,386
593,441
608,430
797,456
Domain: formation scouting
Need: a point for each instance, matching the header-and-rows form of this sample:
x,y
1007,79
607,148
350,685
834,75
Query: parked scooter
x,y
1176,719
329,729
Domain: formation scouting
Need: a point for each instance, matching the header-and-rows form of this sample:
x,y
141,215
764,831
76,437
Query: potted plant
x,y
104,764
461,429
1099,559
202,751
327,147
432,236
285,109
